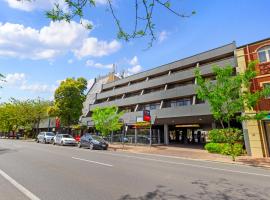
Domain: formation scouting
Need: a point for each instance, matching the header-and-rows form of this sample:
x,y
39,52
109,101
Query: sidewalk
x,y
191,153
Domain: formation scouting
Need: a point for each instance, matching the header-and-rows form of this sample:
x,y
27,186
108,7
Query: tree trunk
x,y
221,122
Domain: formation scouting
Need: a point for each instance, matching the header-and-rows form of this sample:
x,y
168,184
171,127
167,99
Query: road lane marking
x,y
91,161
186,164
26,192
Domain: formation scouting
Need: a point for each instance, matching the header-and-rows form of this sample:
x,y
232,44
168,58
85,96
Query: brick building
x,y
257,133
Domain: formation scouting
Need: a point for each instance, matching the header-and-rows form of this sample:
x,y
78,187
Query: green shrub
x,y
225,148
226,135
214,147
227,141
236,149
217,136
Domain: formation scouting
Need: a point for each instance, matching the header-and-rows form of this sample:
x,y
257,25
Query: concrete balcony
x,y
208,55
165,113
178,92
174,77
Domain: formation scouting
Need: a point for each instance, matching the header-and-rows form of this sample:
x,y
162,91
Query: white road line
x,y
90,161
187,164
26,192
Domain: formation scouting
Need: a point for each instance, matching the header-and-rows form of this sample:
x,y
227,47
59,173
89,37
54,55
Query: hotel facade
x,y
168,91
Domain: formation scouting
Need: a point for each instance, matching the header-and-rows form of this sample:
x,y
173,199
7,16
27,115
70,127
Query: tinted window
x,y
98,138
262,56
67,136
49,134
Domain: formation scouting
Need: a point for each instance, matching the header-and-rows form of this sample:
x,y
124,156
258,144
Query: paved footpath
x,y
191,152
39,171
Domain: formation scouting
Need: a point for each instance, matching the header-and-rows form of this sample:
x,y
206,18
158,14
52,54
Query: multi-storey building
x,y
168,91
257,133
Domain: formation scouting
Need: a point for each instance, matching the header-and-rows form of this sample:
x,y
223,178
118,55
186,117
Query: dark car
x,y
93,142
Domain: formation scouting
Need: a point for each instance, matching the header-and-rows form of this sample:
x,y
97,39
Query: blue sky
x,y
35,54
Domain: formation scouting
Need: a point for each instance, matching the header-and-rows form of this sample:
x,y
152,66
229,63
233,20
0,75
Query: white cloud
x,y
19,81
134,61
42,4
163,35
50,41
135,69
70,61
15,79
91,63
93,47
35,5
38,88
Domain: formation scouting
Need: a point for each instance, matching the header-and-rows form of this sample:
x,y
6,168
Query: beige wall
x,y
253,129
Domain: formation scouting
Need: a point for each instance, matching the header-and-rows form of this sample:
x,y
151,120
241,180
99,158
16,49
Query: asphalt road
x,y
37,171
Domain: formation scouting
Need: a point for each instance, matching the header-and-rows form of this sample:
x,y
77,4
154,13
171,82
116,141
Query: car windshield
x,y
67,136
98,138
50,134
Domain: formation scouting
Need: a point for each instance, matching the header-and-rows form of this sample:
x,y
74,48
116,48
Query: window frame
x,y
264,86
266,50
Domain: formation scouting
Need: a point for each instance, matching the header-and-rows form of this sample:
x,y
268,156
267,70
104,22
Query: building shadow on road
x,y
4,150
221,189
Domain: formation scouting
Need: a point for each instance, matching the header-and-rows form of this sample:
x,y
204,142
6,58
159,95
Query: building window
x,y
178,103
264,54
267,85
152,106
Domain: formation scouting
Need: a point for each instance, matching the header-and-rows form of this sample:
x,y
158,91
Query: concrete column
x,y
161,104
150,135
136,108
165,87
158,132
194,100
246,138
136,133
166,134
214,125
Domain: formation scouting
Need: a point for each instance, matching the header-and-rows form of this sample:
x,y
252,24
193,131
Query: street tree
x,y
228,96
8,118
144,12
39,111
15,115
107,119
68,101
230,93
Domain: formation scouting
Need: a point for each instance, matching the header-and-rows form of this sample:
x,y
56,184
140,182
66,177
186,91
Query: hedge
x,y
224,148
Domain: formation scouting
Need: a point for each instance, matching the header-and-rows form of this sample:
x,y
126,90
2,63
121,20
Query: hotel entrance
x,y
188,134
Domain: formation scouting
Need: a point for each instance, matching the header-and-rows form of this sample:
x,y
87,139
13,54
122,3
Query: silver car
x,y
64,139
45,137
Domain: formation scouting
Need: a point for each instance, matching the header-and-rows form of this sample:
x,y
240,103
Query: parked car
x,y
64,139
93,142
45,137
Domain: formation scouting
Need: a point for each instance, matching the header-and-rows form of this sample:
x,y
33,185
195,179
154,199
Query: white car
x,y
45,137
64,139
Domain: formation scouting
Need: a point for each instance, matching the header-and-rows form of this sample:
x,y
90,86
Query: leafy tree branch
x,y
144,24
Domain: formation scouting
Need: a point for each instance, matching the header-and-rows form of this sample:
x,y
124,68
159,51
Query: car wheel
x,y
91,146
